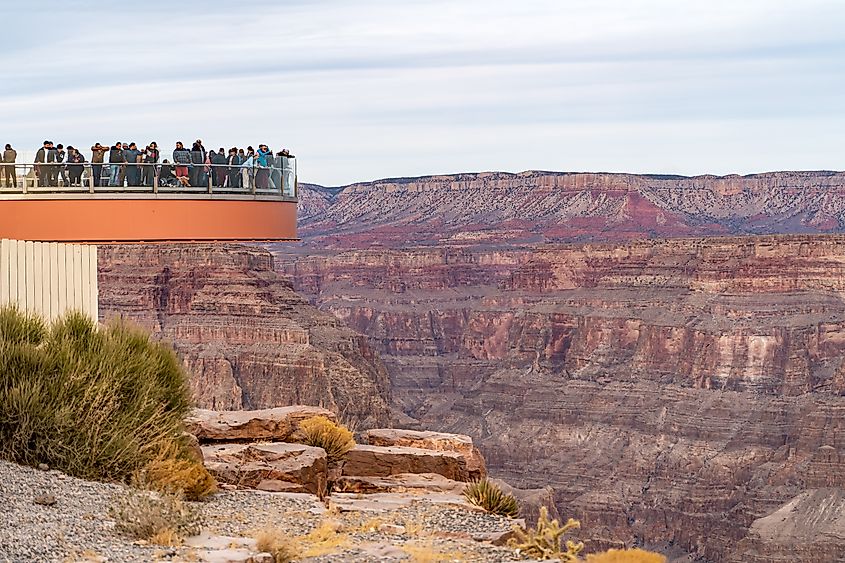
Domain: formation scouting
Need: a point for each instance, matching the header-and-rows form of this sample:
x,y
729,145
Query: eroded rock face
x,y
810,527
248,340
662,388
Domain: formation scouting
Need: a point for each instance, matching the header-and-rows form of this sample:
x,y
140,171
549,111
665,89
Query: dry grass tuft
x,y
626,556
335,439
323,540
282,547
427,553
158,518
168,473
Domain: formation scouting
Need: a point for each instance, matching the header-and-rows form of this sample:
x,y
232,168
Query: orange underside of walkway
x,y
147,220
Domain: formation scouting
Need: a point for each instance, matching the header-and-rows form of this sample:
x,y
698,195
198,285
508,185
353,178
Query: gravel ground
x,y
78,527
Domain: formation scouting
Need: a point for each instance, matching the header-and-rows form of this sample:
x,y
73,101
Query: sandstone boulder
x,y
401,483
381,461
277,467
278,424
437,441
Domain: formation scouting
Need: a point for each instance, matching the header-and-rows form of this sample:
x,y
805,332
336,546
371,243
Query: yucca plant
x,y
335,439
546,540
489,496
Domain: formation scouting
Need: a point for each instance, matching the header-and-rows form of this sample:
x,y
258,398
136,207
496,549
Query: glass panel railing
x,y
275,176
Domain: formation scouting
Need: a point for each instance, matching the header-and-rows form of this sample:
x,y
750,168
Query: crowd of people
x,y
125,164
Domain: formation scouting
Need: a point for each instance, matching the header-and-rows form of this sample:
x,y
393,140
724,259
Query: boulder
x,y
437,441
381,461
401,483
275,467
276,425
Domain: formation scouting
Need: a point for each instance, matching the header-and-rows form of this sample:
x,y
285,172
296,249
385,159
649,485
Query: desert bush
x,y
626,556
158,518
175,475
321,432
278,544
98,403
546,540
490,497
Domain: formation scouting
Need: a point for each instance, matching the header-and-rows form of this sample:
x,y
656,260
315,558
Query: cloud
x,y
383,88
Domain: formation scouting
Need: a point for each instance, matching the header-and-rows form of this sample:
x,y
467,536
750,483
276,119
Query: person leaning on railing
x,y
9,156
75,166
150,159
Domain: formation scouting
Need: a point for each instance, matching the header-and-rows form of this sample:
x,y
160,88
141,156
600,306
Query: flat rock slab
x,y
275,425
402,483
381,461
276,467
437,441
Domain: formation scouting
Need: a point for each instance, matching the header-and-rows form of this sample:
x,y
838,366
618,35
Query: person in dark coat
x,y
60,167
132,156
150,157
9,157
198,155
75,166
234,162
218,159
115,162
45,159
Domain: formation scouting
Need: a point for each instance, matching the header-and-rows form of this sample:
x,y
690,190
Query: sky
x,y
390,88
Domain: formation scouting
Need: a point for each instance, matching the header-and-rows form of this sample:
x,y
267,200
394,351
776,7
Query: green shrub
x,y
98,403
546,540
320,432
489,496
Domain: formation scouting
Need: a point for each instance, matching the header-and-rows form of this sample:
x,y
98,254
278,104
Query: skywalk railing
x,y
276,180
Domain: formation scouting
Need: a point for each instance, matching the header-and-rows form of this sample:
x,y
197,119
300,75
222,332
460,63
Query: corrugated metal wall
x,y
49,278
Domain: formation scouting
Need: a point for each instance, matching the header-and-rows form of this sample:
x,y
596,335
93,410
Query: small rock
x,y
43,467
392,529
45,500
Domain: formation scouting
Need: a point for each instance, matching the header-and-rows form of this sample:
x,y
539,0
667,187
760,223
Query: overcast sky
x,y
381,88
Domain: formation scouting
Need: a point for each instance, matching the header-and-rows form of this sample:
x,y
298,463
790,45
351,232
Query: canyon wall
x,y
673,392
531,207
247,339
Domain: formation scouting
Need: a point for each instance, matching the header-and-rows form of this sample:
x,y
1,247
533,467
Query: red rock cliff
x,y
246,338
670,391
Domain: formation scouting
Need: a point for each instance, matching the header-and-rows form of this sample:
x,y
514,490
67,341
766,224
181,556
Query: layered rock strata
x,y
496,207
247,339
671,392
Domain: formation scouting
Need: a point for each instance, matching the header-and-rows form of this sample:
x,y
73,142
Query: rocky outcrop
x,y
437,441
661,388
496,207
384,461
247,339
280,424
276,467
